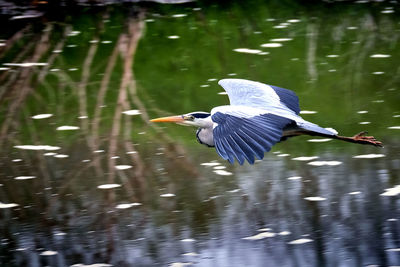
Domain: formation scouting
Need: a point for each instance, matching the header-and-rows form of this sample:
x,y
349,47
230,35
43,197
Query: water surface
x,y
86,179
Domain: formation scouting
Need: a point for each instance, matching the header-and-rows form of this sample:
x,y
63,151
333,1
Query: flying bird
x,y
259,116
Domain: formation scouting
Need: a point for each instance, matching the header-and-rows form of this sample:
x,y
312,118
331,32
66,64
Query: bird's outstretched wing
x,y
258,95
243,138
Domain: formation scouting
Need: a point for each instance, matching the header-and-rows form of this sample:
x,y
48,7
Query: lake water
x,y
85,178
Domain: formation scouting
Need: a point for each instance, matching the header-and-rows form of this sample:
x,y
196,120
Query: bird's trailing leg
x,y
361,138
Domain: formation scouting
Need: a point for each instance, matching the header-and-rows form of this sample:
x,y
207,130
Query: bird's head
x,y
198,119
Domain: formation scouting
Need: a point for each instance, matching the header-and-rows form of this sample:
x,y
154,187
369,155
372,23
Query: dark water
x,y
84,182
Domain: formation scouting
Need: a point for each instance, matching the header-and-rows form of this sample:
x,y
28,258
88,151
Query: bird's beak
x,y
176,119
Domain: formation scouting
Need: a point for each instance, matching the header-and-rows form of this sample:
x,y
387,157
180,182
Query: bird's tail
x,y
317,130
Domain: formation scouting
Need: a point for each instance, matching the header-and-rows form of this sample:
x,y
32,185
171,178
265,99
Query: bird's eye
x,y
188,117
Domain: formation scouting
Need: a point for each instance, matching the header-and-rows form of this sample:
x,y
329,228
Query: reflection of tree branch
x,y
135,31
94,142
53,56
12,76
22,85
15,38
312,33
82,89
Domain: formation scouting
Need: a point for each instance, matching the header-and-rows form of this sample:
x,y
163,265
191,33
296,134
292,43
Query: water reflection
x,y
86,179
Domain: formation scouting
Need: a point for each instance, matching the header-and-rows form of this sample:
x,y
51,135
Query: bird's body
x,y
259,116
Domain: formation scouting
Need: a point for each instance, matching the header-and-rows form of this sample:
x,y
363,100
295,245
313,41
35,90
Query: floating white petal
x,y
222,172
61,156
260,236
315,198
283,155
26,64
91,265
173,37
67,128
210,164
325,163
394,127
42,116
319,140
38,147
300,241
294,178
391,192
48,253
179,15
393,250
8,205
188,240
271,45
132,112
180,264
380,56
247,50
281,40
355,193
123,167
219,167
308,112
167,195
369,156
305,158
108,186
24,177
128,205
283,233
191,254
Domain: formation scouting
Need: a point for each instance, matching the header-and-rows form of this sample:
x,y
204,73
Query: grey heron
x,y
259,116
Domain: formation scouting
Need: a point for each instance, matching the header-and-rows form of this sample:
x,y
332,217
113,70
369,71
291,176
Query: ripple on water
x,y
394,127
